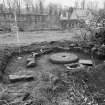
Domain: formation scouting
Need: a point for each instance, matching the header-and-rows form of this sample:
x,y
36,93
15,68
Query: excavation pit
x,y
45,86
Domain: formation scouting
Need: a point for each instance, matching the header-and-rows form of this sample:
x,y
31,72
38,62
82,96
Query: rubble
x,y
31,61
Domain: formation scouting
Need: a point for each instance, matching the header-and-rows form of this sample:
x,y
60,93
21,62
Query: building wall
x,y
67,24
23,20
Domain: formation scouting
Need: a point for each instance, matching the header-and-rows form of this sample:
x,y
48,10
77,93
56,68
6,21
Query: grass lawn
x,y
31,37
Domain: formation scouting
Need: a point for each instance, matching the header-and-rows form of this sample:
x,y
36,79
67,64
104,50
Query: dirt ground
x,y
44,90
63,88
37,88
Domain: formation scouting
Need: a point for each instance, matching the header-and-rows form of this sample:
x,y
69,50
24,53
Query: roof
x,y
24,13
81,14
32,13
7,13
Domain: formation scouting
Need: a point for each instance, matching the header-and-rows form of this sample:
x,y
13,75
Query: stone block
x,y
86,62
31,63
21,76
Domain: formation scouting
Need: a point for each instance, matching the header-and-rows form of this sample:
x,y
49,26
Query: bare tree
x,y
41,6
33,6
50,9
36,8
9,4
28,5
83,4
76,4
104,4
18,7
93,5
96,5
2,6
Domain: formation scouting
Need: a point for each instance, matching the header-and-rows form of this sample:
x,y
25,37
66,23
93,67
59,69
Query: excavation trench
x,y
52,82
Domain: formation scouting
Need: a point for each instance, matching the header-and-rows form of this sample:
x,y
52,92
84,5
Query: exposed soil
x,y
53,84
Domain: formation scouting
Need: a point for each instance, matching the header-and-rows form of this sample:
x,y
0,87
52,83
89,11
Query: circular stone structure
x,y
74,66
64,58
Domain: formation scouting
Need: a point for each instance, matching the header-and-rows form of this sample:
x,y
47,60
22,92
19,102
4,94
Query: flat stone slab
x,y
86,62
21,76
31,62
64,58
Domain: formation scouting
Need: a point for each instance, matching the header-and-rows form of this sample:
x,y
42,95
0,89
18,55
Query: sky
x,y
68,3
72,2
